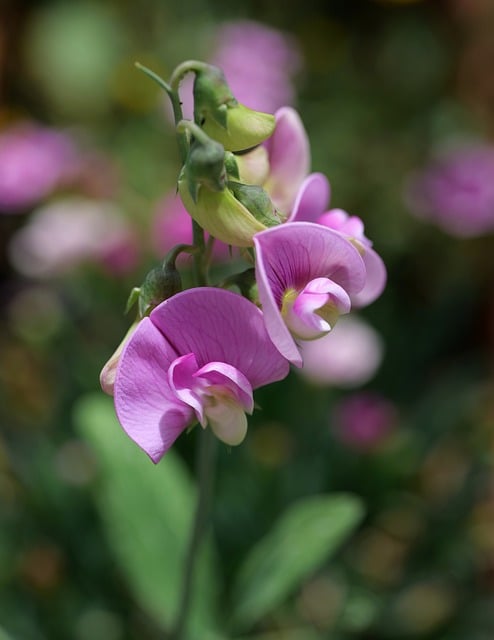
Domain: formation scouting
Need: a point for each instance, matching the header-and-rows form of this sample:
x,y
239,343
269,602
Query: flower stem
x,y
205,465
183,69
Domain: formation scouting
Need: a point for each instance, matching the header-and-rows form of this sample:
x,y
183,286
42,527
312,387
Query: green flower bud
x,y
205,164
221,215
222,117
246,128
160,284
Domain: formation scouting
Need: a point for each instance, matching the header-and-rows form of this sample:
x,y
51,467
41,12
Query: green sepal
x,y
133,298
161,283
231,165
212,96
257,201
205,165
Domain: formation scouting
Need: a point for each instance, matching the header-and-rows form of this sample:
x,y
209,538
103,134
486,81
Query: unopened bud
x,y
160,284
222,117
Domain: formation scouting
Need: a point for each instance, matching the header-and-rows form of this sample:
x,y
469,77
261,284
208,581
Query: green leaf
x,y
147,512
301,541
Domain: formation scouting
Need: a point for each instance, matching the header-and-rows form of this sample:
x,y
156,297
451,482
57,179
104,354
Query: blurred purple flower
x,y
456,191
347,357
62,234
259,63
305,273
34,161
172,225
311,205
168,378
364,420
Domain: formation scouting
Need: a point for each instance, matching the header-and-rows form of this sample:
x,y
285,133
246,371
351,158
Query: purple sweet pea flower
x,y
310,205
34,160
305,274
456,191
281,163
198,357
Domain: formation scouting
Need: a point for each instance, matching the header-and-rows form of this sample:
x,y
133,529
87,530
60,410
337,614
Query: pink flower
x,y
35,161
65,233
348,356
197,358
311,203
305,275
172,225
259,63
281,164
364,420
456,191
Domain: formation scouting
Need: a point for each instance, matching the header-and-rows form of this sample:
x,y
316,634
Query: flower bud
x,y
109,371
161,283
222,117
222,215
205,164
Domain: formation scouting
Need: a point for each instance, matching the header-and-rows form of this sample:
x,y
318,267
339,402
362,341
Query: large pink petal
x,y
146,406
289,158
375,282
312,199
221,326
291,255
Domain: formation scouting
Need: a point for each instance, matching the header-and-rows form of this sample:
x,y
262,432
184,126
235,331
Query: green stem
x,y
200,274
194,129
183,69
205,460
176,105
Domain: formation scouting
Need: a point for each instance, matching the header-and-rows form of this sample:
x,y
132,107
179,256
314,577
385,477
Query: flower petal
x,y
228,421
312,199
291,255
289,158
219,374
221,326
182,382
375,282
145,404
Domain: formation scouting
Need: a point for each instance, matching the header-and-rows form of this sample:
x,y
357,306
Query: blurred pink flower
x,y
364,420
259,63
172,225
62,234
456,191
35,160
348,356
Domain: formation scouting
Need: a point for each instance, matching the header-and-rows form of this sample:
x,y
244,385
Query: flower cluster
x,y
196,356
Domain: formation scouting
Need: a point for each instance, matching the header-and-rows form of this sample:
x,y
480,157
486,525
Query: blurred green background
x,y
90,530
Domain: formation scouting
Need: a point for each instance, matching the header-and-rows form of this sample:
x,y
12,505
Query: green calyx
x,y
222,117
257,201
